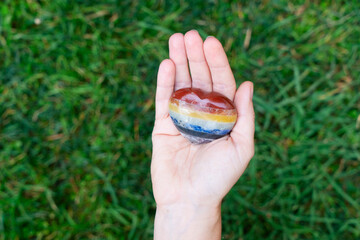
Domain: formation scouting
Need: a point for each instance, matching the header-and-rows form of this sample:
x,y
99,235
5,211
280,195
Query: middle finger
x,y
200,73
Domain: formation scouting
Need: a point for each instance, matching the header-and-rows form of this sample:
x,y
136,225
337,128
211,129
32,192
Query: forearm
x,y
187,222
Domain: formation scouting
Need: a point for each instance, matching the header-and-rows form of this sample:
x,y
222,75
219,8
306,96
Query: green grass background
x,y
77,85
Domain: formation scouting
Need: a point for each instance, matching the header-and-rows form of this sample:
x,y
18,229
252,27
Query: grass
x,y
77,85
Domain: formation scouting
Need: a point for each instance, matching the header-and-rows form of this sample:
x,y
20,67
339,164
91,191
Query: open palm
x,y
198,174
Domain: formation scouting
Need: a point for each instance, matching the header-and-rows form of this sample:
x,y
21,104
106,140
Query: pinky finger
x,y
165,87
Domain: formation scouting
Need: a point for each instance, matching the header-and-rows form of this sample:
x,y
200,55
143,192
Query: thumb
x,y
243,131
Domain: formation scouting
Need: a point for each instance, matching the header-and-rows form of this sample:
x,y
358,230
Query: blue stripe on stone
x,y
205,137
198,128
174,120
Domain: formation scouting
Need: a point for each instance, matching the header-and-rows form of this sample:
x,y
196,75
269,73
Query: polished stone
x,y
200,116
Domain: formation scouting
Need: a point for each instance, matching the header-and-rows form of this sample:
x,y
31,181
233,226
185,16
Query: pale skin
x,y
190,181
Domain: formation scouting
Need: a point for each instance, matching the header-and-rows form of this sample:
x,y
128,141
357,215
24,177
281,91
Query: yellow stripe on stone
x,y
202,115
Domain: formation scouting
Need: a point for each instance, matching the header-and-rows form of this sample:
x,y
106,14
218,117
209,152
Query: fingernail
x,y
209,37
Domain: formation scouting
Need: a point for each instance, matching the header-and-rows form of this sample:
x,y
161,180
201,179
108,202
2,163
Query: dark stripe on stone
x,y
198,134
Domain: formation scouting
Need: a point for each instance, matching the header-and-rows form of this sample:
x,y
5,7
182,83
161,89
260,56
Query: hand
x,y
190,181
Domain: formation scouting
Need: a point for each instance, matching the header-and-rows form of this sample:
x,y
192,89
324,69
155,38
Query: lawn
x,y
77,85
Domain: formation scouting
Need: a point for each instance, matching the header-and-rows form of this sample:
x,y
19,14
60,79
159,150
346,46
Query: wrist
x,y
187,221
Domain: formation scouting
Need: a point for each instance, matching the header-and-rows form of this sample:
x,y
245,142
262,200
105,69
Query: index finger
x,y
222,76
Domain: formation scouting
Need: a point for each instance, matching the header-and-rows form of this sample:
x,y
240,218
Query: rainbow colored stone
x,y
202,117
